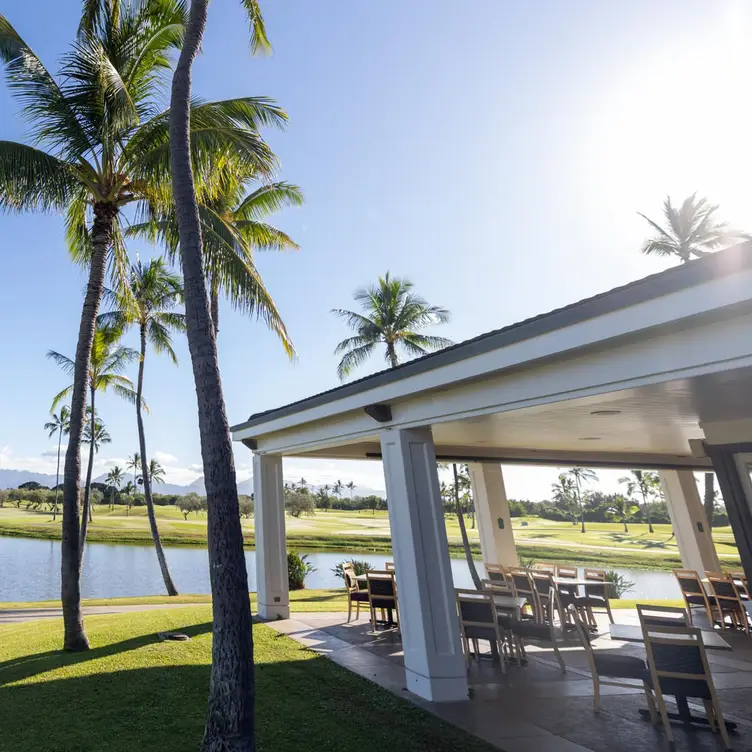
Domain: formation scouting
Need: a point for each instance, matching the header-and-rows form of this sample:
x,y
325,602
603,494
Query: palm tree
x,y
303,485
393,315
623,510
580,475
690,230
107,361
114,479
564,495
134,463
232,228
351,487
156,473
101,144
461,520
337,488
60,425
153,294
128,490
647,484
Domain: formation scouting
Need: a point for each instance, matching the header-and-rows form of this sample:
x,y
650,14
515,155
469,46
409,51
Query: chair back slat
x,y
563,570
662,616
689,581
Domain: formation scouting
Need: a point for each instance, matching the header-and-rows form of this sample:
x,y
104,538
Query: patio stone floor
x,y
537,708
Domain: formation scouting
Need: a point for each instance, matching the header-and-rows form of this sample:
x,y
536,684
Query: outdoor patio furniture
x,y
742,583
596,596
495,572
524,588
545,568
662,616
479,621
634,633
679,666
728,603
389,566
355,594
543,585
382,595
611,666
534,631
693,592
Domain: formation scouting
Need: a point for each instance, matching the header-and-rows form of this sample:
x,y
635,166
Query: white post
x,y
689,521
492,512
434,664
271,550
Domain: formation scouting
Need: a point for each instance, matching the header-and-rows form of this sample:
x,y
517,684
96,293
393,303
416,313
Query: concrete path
x,y
14,615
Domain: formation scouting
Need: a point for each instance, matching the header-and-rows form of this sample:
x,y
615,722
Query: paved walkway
x,y
536,708
14,615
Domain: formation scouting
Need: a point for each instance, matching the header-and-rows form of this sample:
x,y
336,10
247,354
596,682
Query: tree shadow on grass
x,y
18,669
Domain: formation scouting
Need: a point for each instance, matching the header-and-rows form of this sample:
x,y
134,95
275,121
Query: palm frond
x,y
160,339
259,41
60,396
63,361
268,199
353,359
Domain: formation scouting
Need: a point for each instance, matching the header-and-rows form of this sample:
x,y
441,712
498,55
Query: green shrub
x,y
298,568
618,584
360,567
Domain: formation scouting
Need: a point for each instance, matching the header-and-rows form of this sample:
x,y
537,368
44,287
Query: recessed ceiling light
x,y
590,438
606,412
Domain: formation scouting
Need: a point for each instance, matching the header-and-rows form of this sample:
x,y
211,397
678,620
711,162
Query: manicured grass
x,y
300,601
604,543
134,692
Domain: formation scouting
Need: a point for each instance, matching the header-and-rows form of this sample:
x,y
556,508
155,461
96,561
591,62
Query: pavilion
x,y
656,374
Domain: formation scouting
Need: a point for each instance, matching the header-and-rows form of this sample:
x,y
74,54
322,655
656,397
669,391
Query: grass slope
x,y
604,543
134,692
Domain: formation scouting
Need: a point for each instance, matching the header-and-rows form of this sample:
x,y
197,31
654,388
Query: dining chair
x,y
523,587
693,592
612,666
543,584
546,568
742,583
354,592
389,566
495,572
679,666
564,570
596,596
662,616
479,621
382,595
534,631
728,603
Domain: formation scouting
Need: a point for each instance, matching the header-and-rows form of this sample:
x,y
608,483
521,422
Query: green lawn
x,y
134,692
543,540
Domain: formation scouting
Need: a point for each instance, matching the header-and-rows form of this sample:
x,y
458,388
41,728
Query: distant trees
x,y
580,476
245,505
299,502
60,425
645,485
191,502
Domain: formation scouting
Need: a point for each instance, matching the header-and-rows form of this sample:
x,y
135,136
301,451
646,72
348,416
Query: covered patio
x,y
655,375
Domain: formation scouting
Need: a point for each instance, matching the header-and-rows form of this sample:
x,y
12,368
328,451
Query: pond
x,y
30,571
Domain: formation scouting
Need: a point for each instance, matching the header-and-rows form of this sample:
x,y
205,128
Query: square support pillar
x,y
492,512
271,549
434,664
689,521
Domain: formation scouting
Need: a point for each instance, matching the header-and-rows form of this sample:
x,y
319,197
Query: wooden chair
x,y
524,588
543,585
479,621
354,592
679,666
662,616
739,579
596,596
693,592
535,631
564,570
382,595
612,666
546,569
495,573
728,603
389,566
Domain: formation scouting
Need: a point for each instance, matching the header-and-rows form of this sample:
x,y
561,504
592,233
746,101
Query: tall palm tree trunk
x,y
57,475
582,507
70,591
215,307
646,505
230,719
391,355
86,514
463,533
169,585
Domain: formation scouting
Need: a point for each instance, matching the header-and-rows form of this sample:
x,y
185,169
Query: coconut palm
x,y
156,473
337,488
564,495
60,425
233,227
107,362
646,484
580,476
98,436
114,479
101,144
153,294
134,463
690,231
393,315
623,510
350,487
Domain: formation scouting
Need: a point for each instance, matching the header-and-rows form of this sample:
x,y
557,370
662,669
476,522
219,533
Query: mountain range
x,y
14,478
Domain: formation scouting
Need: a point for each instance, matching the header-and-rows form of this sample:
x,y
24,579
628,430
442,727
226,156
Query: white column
x,y
271,549
434,665
492,512
689,522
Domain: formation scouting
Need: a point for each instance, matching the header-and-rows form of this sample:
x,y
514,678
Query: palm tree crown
x,y
690,230
115,476
100,435
393,315
60,422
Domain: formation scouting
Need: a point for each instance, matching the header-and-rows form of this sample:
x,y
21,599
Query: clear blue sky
x,y
495,153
